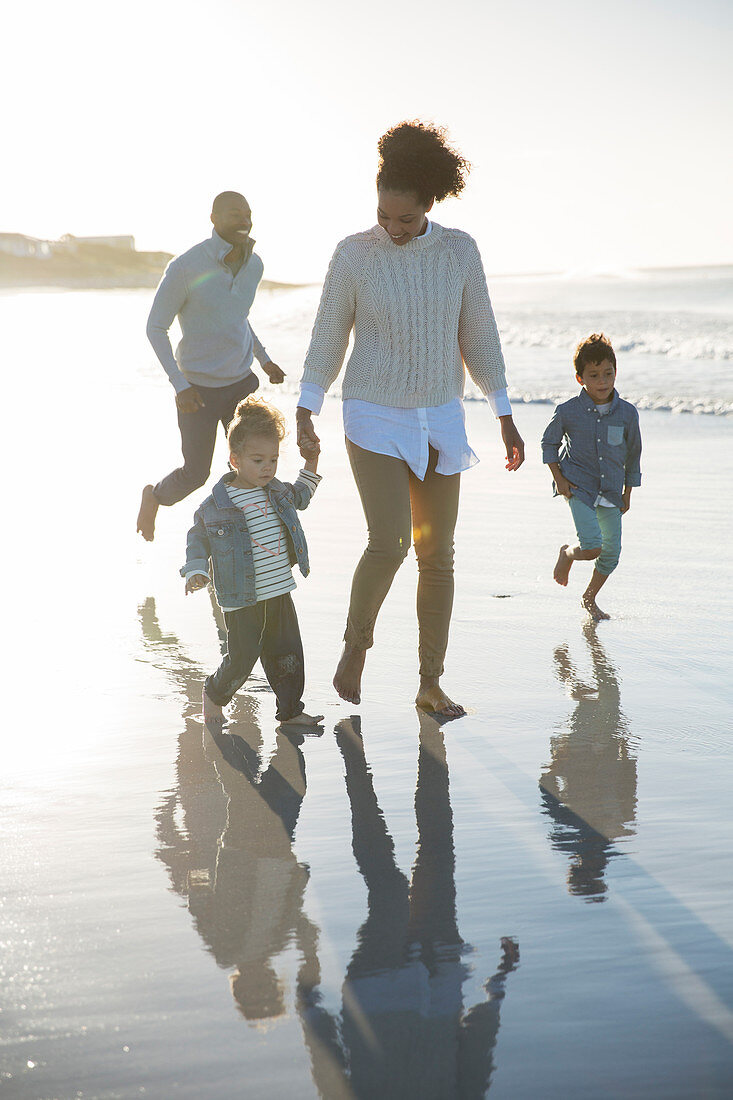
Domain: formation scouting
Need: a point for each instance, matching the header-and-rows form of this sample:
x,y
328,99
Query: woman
x,y
415,294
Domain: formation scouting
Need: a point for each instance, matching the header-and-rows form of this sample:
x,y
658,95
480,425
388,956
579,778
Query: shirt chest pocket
x,y
615,435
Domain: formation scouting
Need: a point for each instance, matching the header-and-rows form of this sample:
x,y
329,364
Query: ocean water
x,y
535,901
672,331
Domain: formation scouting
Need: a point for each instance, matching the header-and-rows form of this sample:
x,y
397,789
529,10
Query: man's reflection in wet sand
x,y
227,831
403,1031
589,788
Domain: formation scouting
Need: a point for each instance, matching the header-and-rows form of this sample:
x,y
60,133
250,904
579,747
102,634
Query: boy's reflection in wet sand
x,y
227,834
403,1032
589,788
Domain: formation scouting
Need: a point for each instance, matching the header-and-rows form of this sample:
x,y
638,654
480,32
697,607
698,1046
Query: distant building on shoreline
x,y
110,261
18,244
126,243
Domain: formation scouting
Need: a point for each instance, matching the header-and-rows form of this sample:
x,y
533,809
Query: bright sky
x,y
601,133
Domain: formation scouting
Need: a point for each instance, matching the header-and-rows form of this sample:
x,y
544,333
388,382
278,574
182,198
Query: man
x,y
210,289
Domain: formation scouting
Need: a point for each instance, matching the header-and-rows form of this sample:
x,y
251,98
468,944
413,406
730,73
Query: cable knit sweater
x,y
419,312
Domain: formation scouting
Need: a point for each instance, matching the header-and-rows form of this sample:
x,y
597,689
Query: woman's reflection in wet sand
x,y
226,833
403,1031
589,788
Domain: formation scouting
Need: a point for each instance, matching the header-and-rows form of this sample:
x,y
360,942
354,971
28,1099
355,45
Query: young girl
x,y
248,530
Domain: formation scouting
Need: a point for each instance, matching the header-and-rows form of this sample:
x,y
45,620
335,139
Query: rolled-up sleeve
x,y
632,472
552,437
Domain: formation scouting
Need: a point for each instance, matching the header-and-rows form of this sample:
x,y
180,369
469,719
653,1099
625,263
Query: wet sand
x,y
534,900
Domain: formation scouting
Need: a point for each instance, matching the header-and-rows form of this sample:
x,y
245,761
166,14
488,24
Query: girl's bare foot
x,y
213,713
347,680
562,565
148,511
303,719
593,609
431,697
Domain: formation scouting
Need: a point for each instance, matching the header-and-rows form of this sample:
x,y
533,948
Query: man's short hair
x,y
226,196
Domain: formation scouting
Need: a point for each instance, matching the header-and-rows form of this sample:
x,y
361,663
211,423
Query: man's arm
x,y
167,304
271,369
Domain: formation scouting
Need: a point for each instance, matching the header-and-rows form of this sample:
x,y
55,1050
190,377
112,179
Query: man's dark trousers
x,y
198,437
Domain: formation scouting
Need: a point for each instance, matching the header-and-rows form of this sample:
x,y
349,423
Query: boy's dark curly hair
x,y
415,157
594,349
254,416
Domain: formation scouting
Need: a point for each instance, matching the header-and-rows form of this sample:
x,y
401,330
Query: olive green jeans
x,y
397,505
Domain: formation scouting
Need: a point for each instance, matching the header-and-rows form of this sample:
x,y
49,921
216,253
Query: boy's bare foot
x,y
431,697
213,713
148,511
302,719
593,609
347,680
562,565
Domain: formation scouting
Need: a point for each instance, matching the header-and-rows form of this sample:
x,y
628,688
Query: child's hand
x,y
625,501
194,582
309,448
564,487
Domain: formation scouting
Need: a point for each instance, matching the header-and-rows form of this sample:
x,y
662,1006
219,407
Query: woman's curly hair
x,y
254,416
415,157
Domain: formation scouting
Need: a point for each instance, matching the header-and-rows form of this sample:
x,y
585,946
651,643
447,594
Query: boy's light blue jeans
x,y
598,527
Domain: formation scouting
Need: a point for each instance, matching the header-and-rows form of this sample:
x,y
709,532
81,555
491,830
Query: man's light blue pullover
x,y
212,306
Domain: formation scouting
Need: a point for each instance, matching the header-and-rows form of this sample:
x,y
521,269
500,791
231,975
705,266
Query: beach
x,y
532,901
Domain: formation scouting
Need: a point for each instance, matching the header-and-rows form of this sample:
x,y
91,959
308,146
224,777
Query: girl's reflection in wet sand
x,y
589,787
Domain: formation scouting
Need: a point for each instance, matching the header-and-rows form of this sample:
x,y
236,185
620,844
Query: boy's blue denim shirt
x,y
598,454
219,534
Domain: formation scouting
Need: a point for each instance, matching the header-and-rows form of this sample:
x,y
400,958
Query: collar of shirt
x,y
590,406
219,248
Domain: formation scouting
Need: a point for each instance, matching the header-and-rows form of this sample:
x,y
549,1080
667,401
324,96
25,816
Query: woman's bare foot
x,y
593,609
431,697
148,511
347,680
213,713
562,565
302,719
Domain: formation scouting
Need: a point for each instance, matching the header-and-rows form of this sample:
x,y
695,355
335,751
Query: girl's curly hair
x,y
415,157
254,416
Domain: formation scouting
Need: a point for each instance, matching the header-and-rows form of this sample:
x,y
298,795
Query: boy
x,y
248,529
593,446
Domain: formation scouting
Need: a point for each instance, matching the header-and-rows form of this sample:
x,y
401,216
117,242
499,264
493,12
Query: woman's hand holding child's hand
x,y
195,582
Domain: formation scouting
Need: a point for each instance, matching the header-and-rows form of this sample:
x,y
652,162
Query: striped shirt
x,y
270,553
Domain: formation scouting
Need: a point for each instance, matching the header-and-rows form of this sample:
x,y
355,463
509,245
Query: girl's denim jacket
x,y
219,535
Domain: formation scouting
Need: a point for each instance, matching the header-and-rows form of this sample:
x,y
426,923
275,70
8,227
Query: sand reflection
x,y
403,1030
589,787
226,835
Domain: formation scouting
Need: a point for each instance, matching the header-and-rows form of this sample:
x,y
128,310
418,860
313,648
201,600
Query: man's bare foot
x,y
148,511
593,609
347,680
431,697
302,719
213,713
562,566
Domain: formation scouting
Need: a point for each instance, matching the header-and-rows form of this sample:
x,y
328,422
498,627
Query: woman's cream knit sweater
x,y
419,312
